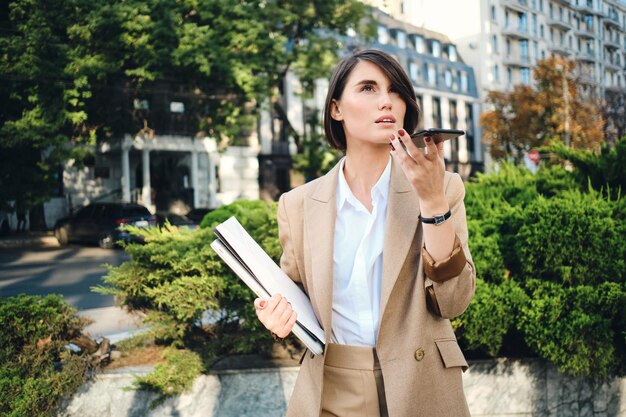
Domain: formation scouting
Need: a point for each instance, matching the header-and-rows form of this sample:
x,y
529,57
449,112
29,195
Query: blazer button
x,y
419,354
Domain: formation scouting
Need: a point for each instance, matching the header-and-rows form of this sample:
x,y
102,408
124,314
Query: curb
x,y
29,242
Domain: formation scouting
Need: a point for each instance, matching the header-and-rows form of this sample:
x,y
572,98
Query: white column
x,y
125,175
478,148
146,190
194,178
212,181
427,110
460,111
445,124
265,128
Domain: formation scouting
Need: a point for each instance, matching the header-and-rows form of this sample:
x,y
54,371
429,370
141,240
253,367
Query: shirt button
x,y
419,354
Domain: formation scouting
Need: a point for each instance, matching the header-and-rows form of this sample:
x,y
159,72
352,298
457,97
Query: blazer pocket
x,y
451,354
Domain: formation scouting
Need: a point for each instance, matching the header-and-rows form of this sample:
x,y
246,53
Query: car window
x,y
136,211
84,213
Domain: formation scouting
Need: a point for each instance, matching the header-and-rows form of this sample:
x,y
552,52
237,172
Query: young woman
x,y
383,277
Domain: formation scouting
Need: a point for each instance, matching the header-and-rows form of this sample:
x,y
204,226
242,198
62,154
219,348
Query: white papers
x,y
254,267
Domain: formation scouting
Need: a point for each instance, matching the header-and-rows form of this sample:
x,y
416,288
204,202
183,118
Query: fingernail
x,y
392,137
401,132
392,148
262,304
427,139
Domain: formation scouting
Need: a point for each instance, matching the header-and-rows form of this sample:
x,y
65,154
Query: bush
x,y
175,277
36,368
551,264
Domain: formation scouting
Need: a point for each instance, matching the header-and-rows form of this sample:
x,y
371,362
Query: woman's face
x,y
370,108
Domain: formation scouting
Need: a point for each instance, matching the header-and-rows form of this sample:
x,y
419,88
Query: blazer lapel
x,y
319,213
401,224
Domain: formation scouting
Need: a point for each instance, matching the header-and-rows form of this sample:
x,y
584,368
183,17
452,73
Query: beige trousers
x,y
353,383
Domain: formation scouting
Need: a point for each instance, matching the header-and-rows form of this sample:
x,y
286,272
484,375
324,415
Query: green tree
x,y
70,71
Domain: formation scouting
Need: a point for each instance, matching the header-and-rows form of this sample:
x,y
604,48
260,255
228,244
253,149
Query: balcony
x,y
586,56
517,32
585,32
612,43
587,79
612,20
516,61
563,2
587,9
516,5
612,66
561,50
559,24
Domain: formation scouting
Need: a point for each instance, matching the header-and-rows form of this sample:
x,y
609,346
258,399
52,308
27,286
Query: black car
x,y
101,223
176,220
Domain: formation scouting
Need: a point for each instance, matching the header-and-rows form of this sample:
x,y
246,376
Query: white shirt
x,y
358,262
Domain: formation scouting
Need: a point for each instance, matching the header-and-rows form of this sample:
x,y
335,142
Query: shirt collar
x,y
344,193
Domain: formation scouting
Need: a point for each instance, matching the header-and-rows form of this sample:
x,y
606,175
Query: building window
x,y
401,37
452,53
177,107
535,50
383,35
509,76
541,5
543,54
464,82
493,13
436,112
413,71
525,75
469,127
496,73
447,76
454,121
534,24
541,31
523,46
494,44
432,75
508,47
435,48
419,44
141,104
533,4
506,19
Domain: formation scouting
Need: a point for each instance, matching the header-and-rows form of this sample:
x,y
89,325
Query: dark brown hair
x,y
335,134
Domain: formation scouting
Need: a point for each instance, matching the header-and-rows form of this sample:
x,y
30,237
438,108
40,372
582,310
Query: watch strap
x,y
437,219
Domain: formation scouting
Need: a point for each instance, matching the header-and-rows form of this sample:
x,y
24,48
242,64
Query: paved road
x,y
69,271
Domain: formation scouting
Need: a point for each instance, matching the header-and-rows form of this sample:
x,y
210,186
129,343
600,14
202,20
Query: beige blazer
x,y
419,356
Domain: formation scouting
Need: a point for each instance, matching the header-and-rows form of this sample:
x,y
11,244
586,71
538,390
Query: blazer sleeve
x,y
288,258
451,283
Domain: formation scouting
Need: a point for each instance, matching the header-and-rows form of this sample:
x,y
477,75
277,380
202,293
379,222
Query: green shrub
x,y
175,278
573,239
36,368
580,329
491,315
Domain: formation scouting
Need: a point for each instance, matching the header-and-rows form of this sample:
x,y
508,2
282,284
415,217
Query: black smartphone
x,y
439,135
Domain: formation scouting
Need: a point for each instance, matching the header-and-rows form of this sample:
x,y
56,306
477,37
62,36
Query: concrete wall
x,y
503,388
238,174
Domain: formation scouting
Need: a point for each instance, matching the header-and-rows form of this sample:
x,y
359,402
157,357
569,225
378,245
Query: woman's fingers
x,y
274,313
412,150
288,326
432,150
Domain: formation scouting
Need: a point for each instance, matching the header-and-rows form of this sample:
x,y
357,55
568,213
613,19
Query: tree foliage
x,y
69,73
553,109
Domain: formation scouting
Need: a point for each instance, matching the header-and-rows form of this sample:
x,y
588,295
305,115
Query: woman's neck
x,y
363,168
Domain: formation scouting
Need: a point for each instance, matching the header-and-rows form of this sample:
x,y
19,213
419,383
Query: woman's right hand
x,y
276,314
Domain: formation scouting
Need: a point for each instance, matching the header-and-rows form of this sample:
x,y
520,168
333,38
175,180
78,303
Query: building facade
x,y
503,39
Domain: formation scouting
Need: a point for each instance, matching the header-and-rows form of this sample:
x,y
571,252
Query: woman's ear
x,y
335,112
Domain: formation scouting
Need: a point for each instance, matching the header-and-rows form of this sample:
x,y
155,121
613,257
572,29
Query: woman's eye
x,y
368,87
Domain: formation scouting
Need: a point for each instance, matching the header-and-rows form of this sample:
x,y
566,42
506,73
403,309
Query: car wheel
x,y
105,241
61,234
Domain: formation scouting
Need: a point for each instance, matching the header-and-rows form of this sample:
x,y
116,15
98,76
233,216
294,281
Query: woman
x,y
363,243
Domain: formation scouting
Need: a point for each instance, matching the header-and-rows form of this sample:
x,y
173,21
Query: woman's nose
x,y
385,102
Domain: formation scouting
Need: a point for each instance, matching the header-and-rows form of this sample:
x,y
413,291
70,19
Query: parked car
x,y
198,214
101,223
176,220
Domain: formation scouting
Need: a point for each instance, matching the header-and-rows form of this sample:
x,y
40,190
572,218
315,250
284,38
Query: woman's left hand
x,y
424,170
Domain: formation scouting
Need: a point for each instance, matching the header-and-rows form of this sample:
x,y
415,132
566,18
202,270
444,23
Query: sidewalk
x,y
113,322
28,239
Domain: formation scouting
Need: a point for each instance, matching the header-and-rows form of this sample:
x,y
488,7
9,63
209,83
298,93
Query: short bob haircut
x,y
335,134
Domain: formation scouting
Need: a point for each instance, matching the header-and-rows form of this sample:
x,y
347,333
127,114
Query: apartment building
x,y
503,39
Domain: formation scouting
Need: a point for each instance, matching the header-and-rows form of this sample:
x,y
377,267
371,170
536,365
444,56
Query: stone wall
x,y
503,388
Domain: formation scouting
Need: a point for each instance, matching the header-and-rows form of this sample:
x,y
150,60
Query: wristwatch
x,y
437,219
